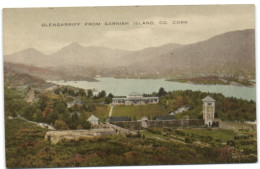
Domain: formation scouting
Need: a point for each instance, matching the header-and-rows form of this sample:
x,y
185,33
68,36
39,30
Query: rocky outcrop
x,y
56,136
104,129
121,131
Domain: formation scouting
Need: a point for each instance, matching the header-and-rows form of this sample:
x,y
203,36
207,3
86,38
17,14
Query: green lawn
x,y
101,112
221,134
137,112
198,134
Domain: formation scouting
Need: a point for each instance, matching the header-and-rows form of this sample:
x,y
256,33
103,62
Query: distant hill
x,y
231,53
28,56
16,79
75,54
43,73
148,53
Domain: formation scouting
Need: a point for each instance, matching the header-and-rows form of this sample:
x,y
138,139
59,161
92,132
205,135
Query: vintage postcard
x,y
123,86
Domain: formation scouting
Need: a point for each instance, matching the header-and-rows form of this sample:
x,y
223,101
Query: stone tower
x,y
208,110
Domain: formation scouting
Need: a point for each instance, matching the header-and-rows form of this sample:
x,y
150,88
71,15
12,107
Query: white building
x,y
135,99
208,110
93,119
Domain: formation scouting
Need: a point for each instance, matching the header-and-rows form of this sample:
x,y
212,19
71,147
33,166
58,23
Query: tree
x,y
60,106
71,92
108,100
61,125
74,121
39,116
110,95
89,106
51,117
81,92
180,101
86,124
29,111
90,93
57,91
161,92
163,102
43,102
102,94
75,117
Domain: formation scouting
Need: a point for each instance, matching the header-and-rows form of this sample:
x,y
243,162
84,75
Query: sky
x,y
23,28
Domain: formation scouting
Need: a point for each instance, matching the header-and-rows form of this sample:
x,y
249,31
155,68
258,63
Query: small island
x,y
214,80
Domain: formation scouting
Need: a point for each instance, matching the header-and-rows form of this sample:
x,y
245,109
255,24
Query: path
x,y
42,125
111,110
30,96
182,142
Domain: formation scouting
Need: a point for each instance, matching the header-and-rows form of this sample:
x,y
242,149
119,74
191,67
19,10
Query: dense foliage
x,y
25,147
53,108
227,108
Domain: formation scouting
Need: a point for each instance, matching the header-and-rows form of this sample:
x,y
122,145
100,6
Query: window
x,y
209,104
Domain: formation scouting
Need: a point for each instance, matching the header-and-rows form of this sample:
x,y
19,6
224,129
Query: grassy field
x,y
101,112
239,141
198,134
137,112
221,134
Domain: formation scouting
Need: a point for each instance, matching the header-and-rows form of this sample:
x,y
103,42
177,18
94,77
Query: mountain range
x,y
231,53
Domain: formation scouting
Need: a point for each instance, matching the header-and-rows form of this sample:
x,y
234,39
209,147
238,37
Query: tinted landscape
x,y
163,95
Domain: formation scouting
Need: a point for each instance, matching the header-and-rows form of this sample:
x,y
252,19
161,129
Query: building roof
x,y
208,99
92,118
136,98
119,98
122,118
164,117
78,113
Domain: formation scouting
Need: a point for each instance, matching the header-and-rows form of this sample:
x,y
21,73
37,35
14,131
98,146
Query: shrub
x,y
86,124
189,140
231,143
61,125
138,134
154,130
181,133
215,124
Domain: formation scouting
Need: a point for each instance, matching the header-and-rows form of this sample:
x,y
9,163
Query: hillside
x,y
75,54
231,53
44,73
19,79
28,56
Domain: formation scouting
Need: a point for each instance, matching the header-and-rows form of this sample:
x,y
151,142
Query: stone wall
x,y
56,136
121,131
234,125
177,123
105,129
137,125
131,125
